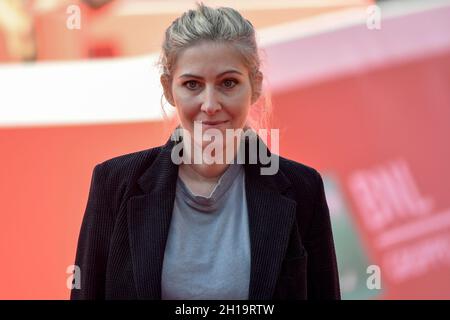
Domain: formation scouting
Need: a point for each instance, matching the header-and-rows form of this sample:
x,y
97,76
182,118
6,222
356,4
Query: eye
x,y
230,83
191,84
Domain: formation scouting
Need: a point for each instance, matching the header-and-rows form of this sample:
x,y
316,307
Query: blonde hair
x,y
224,25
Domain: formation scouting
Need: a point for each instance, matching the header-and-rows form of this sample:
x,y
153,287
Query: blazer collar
x,y
271,214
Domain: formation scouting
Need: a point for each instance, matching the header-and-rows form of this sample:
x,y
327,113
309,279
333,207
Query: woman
x,y
161,226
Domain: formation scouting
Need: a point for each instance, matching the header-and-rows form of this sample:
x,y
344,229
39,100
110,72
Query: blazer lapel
x,y
149,217
271,215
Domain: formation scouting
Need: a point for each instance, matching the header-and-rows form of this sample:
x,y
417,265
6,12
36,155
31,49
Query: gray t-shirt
x,y
207,254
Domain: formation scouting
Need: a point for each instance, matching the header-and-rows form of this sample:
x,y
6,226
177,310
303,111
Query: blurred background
x,y
360,89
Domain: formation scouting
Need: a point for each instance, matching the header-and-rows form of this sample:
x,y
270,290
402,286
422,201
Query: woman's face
x,y
211,83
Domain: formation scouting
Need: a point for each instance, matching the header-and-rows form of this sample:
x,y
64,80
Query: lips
x,y
213,123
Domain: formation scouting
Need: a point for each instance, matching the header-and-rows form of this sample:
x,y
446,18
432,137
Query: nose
x,y
210,103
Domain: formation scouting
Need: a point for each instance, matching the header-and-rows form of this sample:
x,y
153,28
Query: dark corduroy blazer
x,y
125,226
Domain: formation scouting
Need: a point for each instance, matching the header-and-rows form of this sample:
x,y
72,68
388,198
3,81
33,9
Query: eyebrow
x,y
186,75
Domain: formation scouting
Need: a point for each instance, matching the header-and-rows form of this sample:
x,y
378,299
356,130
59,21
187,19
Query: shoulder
x,y
126,164
302,176
114,177
309,192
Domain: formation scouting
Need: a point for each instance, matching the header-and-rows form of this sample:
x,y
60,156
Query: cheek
x,y
186,111
186,106
239,105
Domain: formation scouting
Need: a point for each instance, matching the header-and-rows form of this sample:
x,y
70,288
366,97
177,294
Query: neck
x,y
206,171
209,173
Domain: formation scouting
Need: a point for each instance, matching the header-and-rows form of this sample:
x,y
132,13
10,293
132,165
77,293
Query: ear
x,y
166,84
257,86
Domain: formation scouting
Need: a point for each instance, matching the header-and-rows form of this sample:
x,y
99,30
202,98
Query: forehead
x,y
209,58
